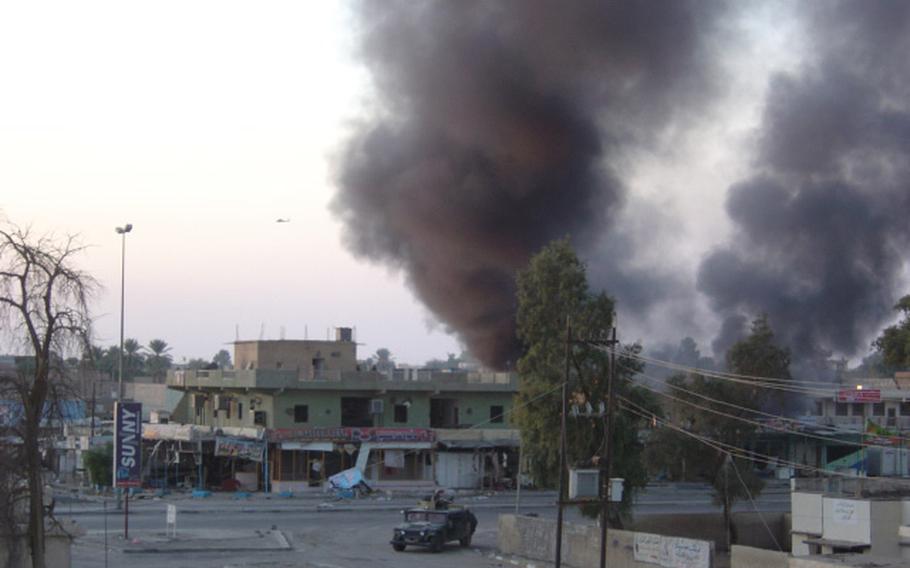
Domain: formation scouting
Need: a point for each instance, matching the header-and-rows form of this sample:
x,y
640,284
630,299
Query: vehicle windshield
x,y
423,516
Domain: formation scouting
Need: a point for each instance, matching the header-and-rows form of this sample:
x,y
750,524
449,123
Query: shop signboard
x,y
127,444
227,446
346,434
859,395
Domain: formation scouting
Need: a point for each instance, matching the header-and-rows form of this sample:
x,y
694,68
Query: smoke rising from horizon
x,y
502,126
821,233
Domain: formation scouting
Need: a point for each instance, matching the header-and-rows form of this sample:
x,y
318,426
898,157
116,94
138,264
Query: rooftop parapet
x,y
407,380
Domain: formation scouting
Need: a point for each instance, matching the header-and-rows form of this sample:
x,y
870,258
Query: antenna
x,y
306,331
282,332
236,332
261,331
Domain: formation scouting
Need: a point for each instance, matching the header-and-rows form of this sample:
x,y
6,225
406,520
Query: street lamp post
x,y
122,231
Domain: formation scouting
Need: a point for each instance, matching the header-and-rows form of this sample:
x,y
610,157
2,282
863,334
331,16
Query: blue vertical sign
x,y
127,444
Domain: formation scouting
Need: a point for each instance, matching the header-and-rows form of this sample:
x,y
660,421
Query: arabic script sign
x,y
672,552
843,512
854,395
352,434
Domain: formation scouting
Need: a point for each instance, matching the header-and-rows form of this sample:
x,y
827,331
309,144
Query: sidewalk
x,y
198,540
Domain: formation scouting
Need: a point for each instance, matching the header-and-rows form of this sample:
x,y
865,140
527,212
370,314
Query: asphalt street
x,y
345,534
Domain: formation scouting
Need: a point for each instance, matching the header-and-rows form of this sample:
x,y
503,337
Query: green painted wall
x,y
324,408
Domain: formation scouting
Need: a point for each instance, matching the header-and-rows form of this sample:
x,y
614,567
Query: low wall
x,y
749,528
535,538
56,551
748,557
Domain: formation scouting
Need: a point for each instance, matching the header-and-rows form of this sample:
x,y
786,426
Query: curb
x,y
283,545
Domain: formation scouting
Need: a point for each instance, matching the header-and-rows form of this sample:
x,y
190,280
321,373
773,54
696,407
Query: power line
x,y
786,385
761,424
754,506
723,446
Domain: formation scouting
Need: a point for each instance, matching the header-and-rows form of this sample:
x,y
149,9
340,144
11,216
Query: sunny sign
x,y
127,444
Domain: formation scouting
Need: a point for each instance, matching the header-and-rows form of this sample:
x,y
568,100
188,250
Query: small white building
x,y
858,515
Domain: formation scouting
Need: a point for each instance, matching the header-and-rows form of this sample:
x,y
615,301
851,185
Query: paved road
x,y
345,535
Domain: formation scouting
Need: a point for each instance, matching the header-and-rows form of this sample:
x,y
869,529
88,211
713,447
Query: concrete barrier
x,y
749,557
749,528
535,538
57,543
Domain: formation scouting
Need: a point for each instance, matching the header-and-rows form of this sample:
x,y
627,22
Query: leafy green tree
x,y
197,363
99,463
159,360
381,361
222,359
894,342
712,429
759,356
552,290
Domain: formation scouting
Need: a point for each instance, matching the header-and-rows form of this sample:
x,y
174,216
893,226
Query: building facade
x,y
320,414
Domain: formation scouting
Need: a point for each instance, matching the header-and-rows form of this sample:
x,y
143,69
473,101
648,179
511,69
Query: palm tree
x,y
160,360
132,350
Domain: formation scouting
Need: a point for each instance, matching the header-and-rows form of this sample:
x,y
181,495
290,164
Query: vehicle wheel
x,y
398,547
437,543
466,541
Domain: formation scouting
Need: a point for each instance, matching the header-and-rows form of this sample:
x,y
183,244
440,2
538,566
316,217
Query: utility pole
x,y
607,458
563,448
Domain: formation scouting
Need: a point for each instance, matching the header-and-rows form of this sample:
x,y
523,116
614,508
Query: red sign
x,y
855,395
352,434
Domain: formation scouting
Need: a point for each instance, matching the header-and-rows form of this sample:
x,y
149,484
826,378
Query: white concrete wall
x,y
847,519
806,511
886,521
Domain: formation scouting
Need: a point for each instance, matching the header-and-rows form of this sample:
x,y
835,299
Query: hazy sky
x,y
200,123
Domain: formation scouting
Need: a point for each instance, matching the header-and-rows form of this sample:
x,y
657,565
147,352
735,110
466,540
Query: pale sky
x,y
200,123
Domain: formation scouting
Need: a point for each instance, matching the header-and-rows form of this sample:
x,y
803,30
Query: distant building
x,y
316,413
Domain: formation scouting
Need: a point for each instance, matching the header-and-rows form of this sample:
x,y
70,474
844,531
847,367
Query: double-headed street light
x,y
122,231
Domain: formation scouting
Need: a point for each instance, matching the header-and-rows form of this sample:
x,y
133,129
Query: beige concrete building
x,y
310,359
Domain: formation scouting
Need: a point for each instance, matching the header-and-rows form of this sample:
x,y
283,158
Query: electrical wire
x,y
725,447
745,420
785,385
754,506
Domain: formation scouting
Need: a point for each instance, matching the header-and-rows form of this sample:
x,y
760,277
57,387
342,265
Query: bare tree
x,y
44,306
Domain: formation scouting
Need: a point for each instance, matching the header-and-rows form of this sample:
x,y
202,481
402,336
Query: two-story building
x,y
319,414
867,423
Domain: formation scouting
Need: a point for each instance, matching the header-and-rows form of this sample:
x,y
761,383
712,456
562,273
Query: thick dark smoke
x,y
821,230
501,127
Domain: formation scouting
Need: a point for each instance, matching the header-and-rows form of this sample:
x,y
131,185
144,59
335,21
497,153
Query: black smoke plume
x,y
821,229
501,126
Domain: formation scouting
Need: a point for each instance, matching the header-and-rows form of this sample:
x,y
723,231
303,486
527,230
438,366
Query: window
x,y
905,409
259,418
496,414
301,413
819,408
239,411
878,409
857,409
401,413
840,409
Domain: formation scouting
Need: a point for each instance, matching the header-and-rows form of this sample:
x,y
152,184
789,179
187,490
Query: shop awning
x,y
308,446
399,445
477,444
